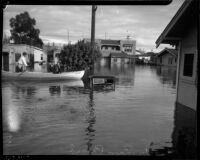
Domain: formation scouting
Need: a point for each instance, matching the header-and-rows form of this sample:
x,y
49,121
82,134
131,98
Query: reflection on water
x,y
13,118
184,134
70,118
124,73
167,75
91,119
55,90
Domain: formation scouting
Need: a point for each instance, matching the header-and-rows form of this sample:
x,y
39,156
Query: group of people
x,y
55,67
22,64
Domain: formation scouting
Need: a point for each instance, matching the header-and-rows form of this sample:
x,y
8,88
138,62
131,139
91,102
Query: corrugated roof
x,y
118,54
112,42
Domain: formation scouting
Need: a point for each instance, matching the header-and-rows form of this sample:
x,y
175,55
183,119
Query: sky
x,y
60,23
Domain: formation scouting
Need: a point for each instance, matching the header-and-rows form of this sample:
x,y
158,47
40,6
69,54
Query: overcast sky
x,y
142,23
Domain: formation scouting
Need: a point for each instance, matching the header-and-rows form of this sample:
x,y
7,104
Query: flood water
x,y
69,118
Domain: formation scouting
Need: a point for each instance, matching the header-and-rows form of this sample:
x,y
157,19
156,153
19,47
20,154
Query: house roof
x,y
118,54
18,45
173,52
139,52
150,54
174,31
110,42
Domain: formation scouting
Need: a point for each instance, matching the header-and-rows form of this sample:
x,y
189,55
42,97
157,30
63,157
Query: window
x,y
41,57
128,49
115,59
117,48
188,65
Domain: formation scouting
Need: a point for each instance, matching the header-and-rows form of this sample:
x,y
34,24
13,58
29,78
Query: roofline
x,y
173,21
26,45
166,49
109,44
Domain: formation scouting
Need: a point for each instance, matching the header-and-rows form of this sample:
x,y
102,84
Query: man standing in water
x,y
22,64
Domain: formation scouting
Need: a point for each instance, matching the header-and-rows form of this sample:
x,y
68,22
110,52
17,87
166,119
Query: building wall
x,y
125,44
119,60
165,60
18,49
110,48
38,54
187,85
104,61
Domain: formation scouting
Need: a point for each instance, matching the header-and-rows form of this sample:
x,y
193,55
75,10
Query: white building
x,y
12,52
128,46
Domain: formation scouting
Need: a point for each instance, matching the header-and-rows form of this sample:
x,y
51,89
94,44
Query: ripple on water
x,y
54,118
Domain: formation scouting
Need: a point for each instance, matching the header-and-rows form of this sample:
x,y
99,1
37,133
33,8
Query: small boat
x,y
40,76
43,84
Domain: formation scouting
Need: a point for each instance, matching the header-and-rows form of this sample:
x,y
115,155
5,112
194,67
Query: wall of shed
x,y
187,86
165,60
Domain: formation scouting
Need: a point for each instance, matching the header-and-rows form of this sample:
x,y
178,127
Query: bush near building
x,y
78,56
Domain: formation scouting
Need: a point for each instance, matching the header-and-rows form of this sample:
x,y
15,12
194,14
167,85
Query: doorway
x,y
5,61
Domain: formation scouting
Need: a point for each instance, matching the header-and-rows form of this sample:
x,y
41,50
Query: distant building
x,y
116,51
128,46
139,52
167,57
121,58
182,32
153,58
12,52
142,57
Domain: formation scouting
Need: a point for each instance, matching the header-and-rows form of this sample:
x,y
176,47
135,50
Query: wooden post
x,y
94,8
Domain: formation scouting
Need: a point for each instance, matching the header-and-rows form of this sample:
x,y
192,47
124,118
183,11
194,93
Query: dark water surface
x,y
68,118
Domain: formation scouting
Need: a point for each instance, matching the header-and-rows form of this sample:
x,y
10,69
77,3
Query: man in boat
x,y
22,64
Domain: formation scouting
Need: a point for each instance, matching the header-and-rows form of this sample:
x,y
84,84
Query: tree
x,y
78,56
23,31
6,39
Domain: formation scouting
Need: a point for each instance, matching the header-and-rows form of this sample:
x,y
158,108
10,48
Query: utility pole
x,y
105,35
94,8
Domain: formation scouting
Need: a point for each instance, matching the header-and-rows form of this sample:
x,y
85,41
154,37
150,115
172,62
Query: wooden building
x,y
182,33
167,57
